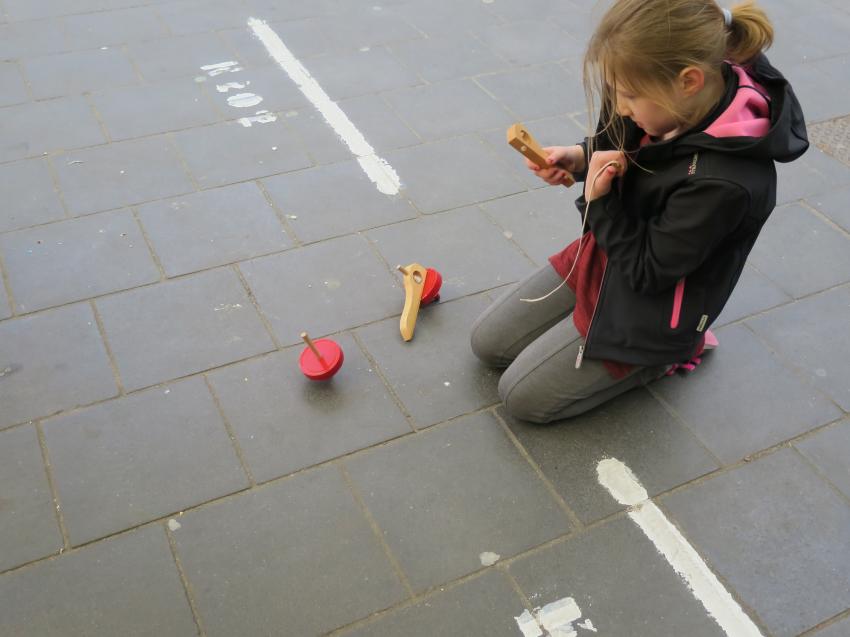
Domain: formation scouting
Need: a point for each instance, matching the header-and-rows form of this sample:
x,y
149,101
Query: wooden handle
x,y
311,345
412,297
524,142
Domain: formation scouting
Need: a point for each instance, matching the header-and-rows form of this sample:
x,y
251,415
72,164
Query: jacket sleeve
x,y
654,253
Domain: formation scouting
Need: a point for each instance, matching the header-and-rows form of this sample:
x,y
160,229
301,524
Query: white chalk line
x,y
376,168
621,483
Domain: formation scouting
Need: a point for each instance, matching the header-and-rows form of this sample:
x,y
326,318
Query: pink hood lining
x,y
749,113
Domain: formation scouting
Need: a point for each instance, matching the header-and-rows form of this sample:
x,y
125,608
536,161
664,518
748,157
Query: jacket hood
x,y
759,116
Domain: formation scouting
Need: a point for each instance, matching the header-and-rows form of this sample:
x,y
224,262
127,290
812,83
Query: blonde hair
x,y
643,45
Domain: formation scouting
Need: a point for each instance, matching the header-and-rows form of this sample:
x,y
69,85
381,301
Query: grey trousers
x,y
538,344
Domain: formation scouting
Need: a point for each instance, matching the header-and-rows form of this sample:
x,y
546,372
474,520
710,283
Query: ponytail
x,y
749,33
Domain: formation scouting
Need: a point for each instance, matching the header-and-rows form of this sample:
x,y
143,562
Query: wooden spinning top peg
x,y
522,140
321,359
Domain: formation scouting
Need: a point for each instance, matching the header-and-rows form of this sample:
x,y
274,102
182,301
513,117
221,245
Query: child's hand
x,y
595,187
562,162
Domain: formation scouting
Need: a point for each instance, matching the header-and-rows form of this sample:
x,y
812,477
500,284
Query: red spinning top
x,y
431,286
321,359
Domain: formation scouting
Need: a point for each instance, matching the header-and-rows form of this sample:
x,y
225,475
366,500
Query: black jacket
x,y
678,239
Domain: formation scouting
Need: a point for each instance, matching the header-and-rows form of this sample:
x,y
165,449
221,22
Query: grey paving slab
x,y
120,174
635,429
305,37
542,222
34,9
447,57
29,193
138,111
181,327
437,516
452,173
381,127
512,41
357,26
28,526
753,293
777,534
38,127
76,259
78,72
814,174
801,252
108,28
231,152
841,628
828,450
323,288
31,38
316,138
446,17
14,89
127,461
835,205
284,422
350,74
57,361
448,109
619,581
314,563
808,335
211,228
820,96
333,200
445,242
435,375
127,585
522,91
182,56
486,605
291,9
743,399
271,83
197,16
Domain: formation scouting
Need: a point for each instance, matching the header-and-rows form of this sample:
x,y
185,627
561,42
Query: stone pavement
x,y
166,470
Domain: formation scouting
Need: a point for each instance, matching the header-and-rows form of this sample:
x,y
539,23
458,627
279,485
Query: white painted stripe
x,y
375,167
624,486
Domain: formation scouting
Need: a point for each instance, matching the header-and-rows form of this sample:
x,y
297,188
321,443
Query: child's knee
x,y
522,401
484,345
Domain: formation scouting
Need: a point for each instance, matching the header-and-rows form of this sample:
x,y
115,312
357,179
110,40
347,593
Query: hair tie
x,y
727,16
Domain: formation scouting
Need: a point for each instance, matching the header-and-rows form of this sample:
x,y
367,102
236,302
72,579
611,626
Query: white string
x,y
581,238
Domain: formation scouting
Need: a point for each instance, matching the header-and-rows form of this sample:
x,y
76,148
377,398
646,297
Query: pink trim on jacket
x,y
749,113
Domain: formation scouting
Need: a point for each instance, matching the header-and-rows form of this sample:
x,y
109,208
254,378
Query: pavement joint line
x,y
793,367
526,602
184,580
86,96
149,244
7,286
683,422
178,153
820,215
125,49
281,216
57,189
376,530
572,516
819,472
411,422
260,314
112,363
228,426
510,239
54,491
811,632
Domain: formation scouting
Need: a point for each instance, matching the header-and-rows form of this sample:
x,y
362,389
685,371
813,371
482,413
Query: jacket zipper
x,y
678,296
581,348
